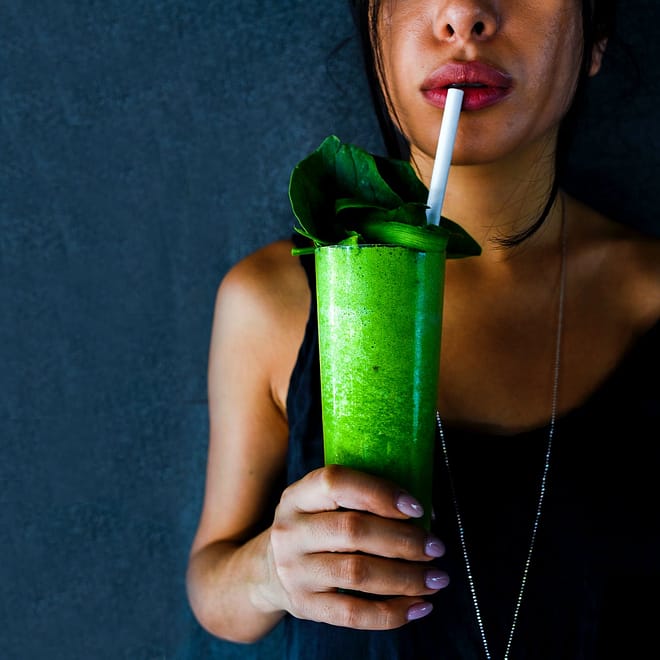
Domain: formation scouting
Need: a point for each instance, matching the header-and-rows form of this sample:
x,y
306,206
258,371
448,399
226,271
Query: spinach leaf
x,y
341,194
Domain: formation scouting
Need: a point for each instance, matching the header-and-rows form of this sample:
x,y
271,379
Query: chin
x,y
477,154
475,157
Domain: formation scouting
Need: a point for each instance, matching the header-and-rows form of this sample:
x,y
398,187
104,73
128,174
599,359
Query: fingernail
x,y
419,610
436,579
434,547
409,505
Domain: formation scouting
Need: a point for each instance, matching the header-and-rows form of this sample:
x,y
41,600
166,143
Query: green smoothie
x,y
379,318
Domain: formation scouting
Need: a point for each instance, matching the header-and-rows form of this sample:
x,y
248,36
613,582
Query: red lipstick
x,y
483,85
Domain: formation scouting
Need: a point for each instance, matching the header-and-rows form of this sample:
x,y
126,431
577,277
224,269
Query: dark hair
x,y
598,20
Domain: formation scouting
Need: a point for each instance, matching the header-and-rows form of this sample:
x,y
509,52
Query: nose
x,y
470,20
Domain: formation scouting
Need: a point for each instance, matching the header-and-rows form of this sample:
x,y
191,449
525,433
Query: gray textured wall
x,y
145,146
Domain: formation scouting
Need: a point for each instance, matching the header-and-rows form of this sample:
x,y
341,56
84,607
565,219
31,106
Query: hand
x,y
342,529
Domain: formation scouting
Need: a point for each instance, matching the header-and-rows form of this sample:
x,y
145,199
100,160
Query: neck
x,y
502,198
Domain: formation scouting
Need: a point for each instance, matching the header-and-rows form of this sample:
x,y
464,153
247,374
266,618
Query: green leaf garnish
x,y
343,195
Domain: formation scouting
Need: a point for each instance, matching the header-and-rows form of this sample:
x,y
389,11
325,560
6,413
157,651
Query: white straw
x,y
443,155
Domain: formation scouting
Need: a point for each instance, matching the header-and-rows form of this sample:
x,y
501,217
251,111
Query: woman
x,y
548,342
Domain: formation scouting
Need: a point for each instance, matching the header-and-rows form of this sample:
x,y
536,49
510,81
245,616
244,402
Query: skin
x,y
338,528
420,36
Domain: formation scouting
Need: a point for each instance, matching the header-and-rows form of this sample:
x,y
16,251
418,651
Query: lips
x,y
483,85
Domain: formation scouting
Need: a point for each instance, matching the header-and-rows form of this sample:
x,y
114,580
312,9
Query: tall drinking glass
x,y
380,319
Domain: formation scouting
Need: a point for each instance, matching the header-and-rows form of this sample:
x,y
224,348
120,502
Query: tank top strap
x,y
304,397
307,262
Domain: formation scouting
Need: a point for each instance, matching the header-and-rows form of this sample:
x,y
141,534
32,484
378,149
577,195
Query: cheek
x,y
554,74
401,66
564,50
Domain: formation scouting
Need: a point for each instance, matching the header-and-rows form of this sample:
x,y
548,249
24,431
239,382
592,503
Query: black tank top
x,y
594,579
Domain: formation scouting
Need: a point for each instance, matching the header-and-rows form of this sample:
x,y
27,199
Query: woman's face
x,y
517,61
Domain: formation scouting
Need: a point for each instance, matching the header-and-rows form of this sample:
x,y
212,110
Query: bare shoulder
x,y
637,259
626,262
644,252
267,281
264,300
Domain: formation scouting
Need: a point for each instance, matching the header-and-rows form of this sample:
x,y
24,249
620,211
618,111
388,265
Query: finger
x,y
353,612
371,575
335,487
356,531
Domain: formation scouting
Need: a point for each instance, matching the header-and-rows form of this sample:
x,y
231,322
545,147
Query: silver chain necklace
x,y
544,477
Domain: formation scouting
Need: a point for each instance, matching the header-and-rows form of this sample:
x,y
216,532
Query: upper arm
x,y
257,328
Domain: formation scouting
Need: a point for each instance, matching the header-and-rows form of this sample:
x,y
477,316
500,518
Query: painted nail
x,y
434,547
409,505
419,610
436,579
